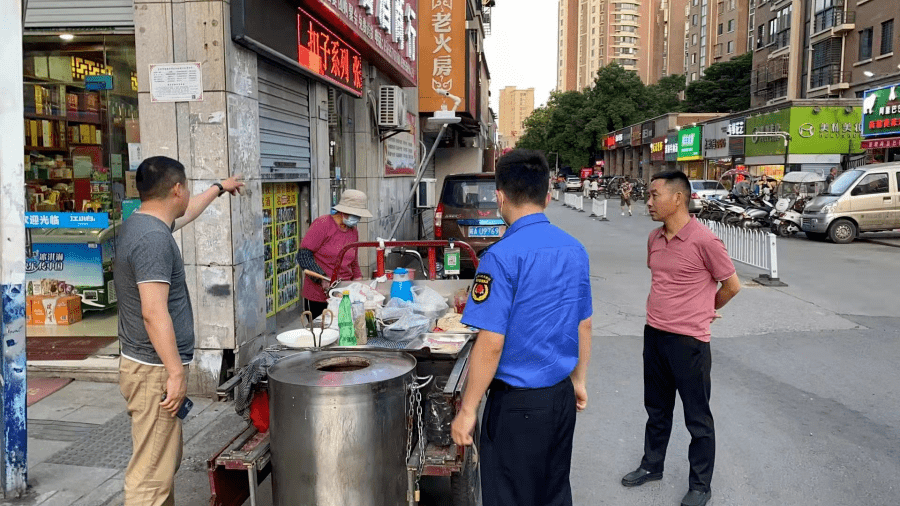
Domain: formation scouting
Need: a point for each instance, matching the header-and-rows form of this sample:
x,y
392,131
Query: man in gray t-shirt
x,y
147,252
156,324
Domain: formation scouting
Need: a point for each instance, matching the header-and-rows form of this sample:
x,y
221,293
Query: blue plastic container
x,y
401,288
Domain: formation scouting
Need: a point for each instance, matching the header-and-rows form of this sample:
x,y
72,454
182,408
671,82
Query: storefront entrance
x,y
81,137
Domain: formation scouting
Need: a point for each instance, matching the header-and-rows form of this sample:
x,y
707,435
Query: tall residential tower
x,y
515,106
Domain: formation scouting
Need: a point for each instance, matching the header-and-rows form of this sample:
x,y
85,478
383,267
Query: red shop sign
x,y
892,142
322,52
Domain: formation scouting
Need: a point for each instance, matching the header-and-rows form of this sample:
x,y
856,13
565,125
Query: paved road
x,y
804,377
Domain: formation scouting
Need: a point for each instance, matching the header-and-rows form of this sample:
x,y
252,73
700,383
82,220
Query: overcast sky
x,y
521,49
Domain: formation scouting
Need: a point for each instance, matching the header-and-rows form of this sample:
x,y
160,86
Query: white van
x,y
866,199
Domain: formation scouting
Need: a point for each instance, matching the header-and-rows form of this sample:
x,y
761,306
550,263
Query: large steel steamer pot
x,y
338,428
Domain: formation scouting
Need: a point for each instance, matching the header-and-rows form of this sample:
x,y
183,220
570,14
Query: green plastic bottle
x,y
345,321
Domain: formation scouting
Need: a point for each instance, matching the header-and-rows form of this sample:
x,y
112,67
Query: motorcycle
x,y
793,193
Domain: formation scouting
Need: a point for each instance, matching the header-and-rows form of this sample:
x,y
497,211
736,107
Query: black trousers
x,y
526,445
673,362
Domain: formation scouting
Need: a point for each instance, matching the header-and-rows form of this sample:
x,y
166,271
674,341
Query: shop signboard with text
x,y
636,135
813,130
671,147
327,38
881,112
736,127
442,55
689,144
658,149
715,139
648,131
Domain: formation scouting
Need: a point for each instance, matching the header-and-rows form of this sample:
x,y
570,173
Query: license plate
x,y
485,232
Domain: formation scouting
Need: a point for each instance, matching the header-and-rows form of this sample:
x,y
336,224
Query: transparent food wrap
x,y
428,302
408,327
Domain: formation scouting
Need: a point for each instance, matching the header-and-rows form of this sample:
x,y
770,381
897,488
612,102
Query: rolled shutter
x,y
284,126
79,13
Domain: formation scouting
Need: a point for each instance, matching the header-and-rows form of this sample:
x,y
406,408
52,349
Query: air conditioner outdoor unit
x,y
426,197
392,107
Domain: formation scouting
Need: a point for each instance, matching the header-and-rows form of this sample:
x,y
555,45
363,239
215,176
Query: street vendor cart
x,y
346,421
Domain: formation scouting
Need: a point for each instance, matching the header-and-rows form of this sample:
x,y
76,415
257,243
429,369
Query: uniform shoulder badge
x,y
482,289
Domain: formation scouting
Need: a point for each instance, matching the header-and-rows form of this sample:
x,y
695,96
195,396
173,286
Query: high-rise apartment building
x,y
823,48
655,38
715,31
515,106
593,33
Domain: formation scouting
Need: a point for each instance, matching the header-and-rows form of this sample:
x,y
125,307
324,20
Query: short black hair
x,y
677,179
157,175
523,175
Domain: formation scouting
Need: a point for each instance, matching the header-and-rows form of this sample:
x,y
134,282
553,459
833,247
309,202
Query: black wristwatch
x,y
221,189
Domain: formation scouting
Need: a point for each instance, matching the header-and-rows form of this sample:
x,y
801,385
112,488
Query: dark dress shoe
x,y
640,476
695,498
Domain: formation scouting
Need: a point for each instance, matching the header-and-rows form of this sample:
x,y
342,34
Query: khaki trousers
x,y
155,434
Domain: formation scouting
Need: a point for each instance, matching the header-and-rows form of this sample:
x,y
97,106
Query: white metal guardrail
x,y
751,247
569,200
554,194
598,208
579,203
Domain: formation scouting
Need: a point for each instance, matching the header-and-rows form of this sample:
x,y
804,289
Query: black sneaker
x,y
696,498
640,476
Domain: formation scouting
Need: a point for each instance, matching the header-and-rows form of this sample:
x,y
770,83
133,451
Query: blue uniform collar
x,y
524,221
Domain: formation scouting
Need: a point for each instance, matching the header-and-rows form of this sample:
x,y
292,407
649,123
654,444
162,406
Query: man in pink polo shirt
x,y
688,264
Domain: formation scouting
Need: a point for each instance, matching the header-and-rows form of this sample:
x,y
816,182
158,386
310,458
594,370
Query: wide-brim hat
x,y
353,202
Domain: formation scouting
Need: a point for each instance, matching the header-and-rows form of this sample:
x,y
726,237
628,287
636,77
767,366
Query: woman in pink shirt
x,y
322,244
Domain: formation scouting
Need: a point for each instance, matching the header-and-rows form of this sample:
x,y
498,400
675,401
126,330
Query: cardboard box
x,y
131,191
64,310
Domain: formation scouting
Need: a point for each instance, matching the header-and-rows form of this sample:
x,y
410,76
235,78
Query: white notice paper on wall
x,y
176,82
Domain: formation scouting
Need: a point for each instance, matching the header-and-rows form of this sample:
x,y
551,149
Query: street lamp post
x,y
784,135
556,170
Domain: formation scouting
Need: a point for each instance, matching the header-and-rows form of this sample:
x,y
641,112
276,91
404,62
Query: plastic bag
x,y
395,309
358,293
408,327
429,302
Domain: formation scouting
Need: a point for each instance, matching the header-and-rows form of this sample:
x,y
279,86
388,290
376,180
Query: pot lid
x,y
325,368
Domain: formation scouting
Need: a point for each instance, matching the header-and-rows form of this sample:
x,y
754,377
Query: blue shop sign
x,y
66,220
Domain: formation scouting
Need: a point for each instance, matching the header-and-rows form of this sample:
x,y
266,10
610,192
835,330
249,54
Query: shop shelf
x,y
50,149
31,115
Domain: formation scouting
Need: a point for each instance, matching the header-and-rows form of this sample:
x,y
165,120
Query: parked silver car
x,y
573,184
704,189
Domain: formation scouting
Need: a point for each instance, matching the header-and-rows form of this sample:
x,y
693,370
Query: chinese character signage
x,y
671,147
322,52
658,149
401,152
890,142
648,130
715,139
736,144
443,49
814,131
66,220
381,32
689,143
881,111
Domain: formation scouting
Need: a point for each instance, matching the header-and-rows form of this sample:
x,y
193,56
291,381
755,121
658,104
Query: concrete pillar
x,y
214,139
14,439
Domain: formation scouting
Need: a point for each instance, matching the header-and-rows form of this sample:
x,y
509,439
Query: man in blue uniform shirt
x,y
531,300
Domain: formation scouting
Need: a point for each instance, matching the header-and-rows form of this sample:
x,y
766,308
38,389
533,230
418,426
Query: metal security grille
x,y
79,13
284,126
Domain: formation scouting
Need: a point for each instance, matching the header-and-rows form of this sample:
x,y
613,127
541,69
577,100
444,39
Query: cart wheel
x,y
465,486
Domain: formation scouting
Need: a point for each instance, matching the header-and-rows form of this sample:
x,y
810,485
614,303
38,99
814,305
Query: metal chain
x,y
421,436
409,420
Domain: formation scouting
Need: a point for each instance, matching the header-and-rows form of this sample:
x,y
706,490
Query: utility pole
x,y
14,439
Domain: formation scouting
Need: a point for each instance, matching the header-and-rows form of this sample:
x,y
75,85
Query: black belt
x,y
502,386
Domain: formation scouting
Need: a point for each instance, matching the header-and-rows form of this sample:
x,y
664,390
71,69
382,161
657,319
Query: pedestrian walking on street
x,y
625,197
586,188
156,324
531,300
687,264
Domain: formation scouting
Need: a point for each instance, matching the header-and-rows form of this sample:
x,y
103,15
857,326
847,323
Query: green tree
x,y
664,94
724,87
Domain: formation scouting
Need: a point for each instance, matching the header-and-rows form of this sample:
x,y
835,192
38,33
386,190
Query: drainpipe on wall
x,y
14,439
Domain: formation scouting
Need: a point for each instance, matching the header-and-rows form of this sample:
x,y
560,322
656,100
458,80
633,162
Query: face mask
x,y
351,220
